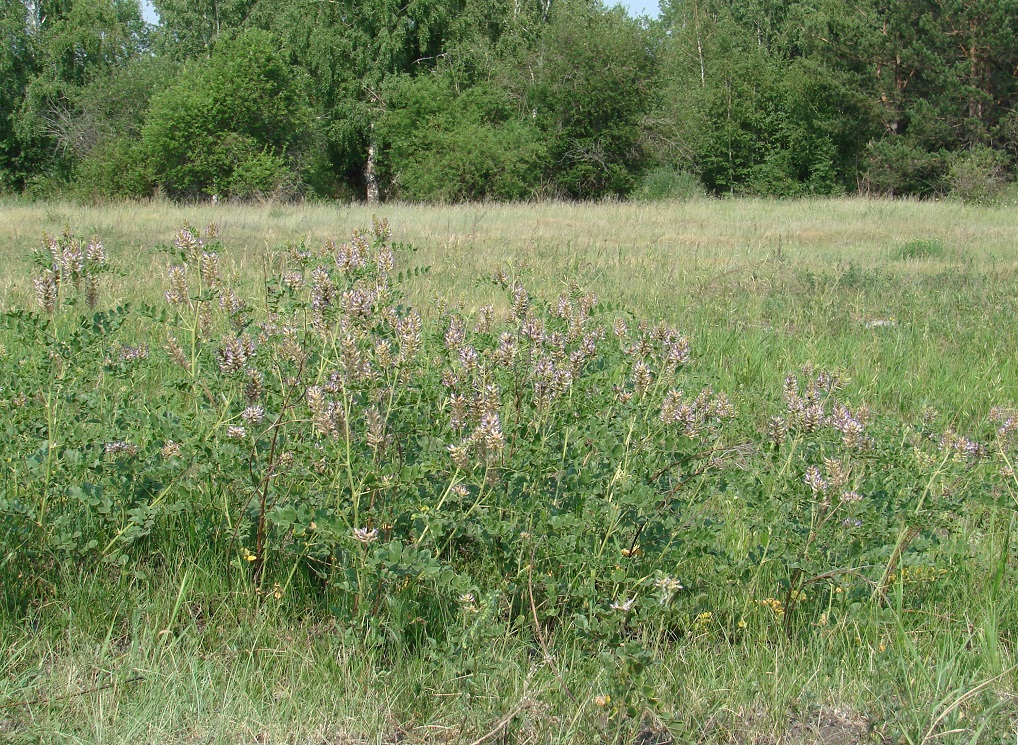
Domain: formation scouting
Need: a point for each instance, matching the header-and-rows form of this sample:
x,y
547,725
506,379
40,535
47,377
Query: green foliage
x,y
441,146
116,168
921,248
73,46
560,456
189,28
593,76
16,68
897,166
667,182
750,121
229,122
566,98
978,175
509,499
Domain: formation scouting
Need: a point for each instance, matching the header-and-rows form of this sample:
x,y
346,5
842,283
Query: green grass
x,y
914,302
761,286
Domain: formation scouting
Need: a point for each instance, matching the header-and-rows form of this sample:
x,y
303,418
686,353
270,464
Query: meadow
x,y
708,471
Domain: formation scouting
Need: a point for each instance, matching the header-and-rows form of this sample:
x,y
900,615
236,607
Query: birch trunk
x,y
370,177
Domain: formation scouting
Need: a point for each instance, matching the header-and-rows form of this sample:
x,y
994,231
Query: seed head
x,y
468,358
385,262
457,412
454,334
188,243
777,430
231,303
359,303
408,332
176,353
91,290
812,417
376,429
460,455
670,406
381,229
253,389
73,259
360,249
485,320
489,435
837,473
563,309
506,352
487,399
322,289
233,354
677,352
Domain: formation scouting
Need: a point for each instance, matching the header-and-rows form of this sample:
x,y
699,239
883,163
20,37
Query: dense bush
x,y
665,182
443,146
592,88
229,124
978,175
433,478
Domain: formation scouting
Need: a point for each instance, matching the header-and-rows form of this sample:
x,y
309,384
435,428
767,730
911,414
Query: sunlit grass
x,y
914,302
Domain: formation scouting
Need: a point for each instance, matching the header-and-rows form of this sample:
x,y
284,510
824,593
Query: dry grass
x,y
649,256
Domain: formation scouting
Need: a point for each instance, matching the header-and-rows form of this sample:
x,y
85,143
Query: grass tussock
x,y
713,471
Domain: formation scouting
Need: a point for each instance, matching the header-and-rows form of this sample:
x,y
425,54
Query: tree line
x,y
450,100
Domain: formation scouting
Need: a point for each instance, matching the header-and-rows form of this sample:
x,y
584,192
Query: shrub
x,y
669,182
978,175
444,146
591,91
117,168
897,166
262,175
426,475
243,108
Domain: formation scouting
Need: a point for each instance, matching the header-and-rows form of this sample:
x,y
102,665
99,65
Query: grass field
x,y
912,304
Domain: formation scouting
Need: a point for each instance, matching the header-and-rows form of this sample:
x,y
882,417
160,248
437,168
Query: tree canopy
x,y
453,100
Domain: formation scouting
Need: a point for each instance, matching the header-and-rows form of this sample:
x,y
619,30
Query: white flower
x,y
668,587
625,606
365,536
